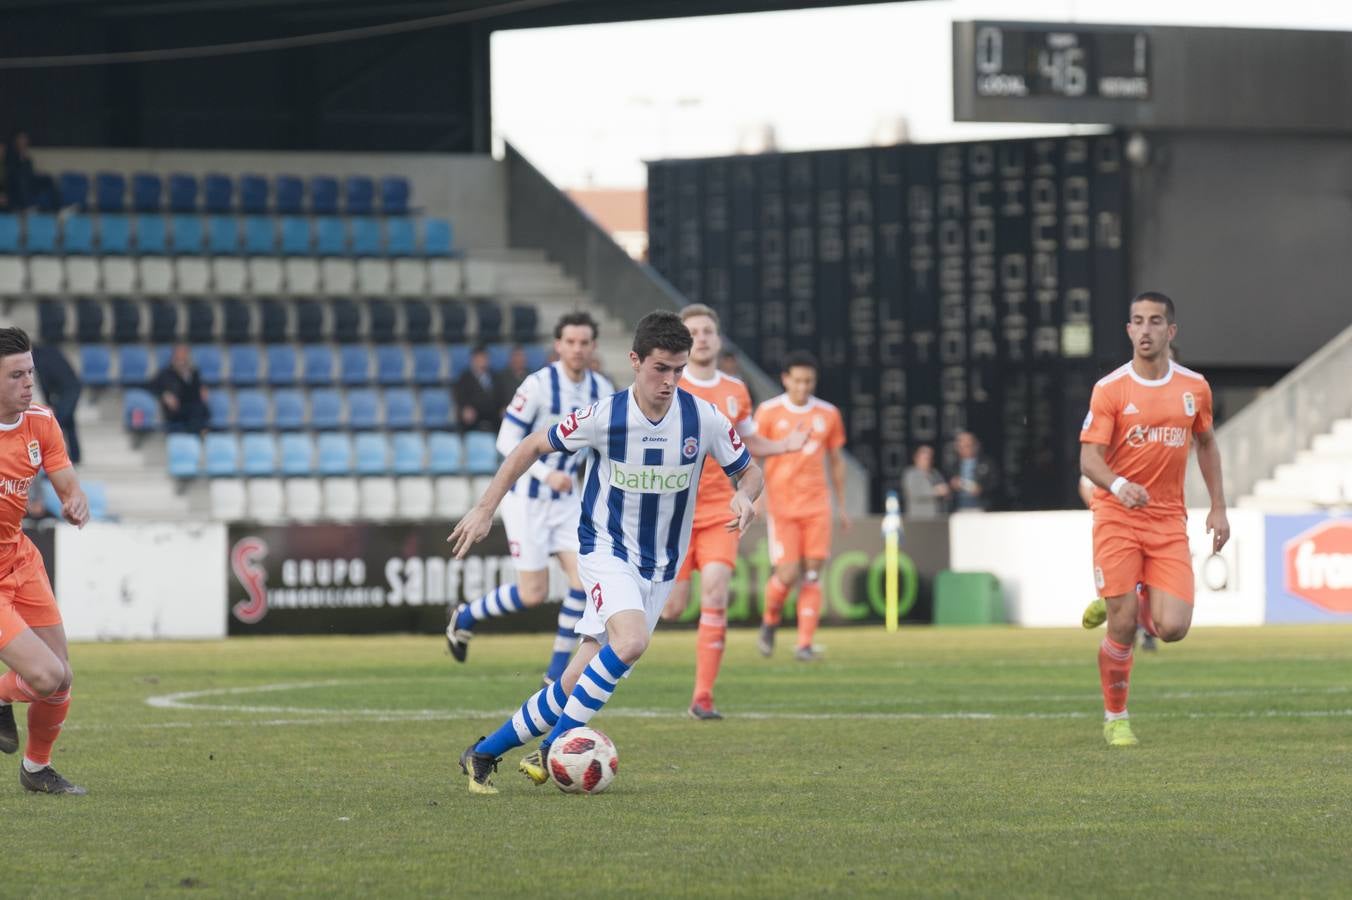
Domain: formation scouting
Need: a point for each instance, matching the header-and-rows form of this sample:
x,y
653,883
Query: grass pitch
x,y
934,762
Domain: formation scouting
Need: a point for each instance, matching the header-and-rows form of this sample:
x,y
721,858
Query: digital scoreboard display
x,y
1014,60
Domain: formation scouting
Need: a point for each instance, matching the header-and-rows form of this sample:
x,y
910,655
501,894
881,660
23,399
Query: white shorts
x,y
612,586
539,527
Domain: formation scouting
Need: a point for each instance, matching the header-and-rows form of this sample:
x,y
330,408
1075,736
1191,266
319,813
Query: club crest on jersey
x,y
818,423
690,447
732,408
34,453
1189,404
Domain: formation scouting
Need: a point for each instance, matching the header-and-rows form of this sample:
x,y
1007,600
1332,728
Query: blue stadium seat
x,y
210,363
488,318
251,411
289,195
317,365
145,192
237,325
220,413
274,320
498,354
525,323
260,236
182,193
429,364
323,195
445,453
246,365
346,317
537,356
140,410
391,364
394,195
185,455
373,454
436,409
326,410
354,364
309,321
77,236
399,238
331,237
454,321
222,455
88,320
400,409
152,238
481,453
335,454
164,316
296,238
52,322
162,355
417,321
363,409
366,238
258,454
253,194
41,233
222,235
298,455
110,192
187,235
218,193
382,321
133,365
459,354
436,237
408,453
114,235
281,365
96,366
9,233
74,188
359,193
288,408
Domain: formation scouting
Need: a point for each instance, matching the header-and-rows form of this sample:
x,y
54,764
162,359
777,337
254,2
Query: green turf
x,y
871,773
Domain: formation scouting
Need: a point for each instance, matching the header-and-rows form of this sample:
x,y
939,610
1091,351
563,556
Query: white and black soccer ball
x,y
583,761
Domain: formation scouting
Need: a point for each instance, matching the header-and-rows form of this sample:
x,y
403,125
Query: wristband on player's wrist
x,y
1116,487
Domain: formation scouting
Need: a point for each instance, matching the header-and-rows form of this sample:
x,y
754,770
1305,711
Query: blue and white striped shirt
x,y
545,397
639,498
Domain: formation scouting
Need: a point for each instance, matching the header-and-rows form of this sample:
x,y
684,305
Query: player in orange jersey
x,y
32,639
798,501
713,549
1134,447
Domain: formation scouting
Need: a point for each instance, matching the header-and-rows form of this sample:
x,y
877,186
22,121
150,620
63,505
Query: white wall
x,y
1043,562
141,581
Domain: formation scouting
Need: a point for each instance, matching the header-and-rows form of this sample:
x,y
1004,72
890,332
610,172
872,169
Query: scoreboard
x,y
942,287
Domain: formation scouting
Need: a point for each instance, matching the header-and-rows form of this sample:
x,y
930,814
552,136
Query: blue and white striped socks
x,y
501,601
530,721
594,687
565,642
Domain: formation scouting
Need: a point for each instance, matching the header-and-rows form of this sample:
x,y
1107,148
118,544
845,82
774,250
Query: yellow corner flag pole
x,y
891,554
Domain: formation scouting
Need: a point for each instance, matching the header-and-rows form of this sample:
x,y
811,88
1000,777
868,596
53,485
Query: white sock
x,y
32,767
1113,717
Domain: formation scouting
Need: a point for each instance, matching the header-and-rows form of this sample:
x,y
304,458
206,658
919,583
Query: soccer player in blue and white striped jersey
x,y
649,444
540,511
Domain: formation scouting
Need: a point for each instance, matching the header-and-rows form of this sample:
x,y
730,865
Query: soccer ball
x,y
583,761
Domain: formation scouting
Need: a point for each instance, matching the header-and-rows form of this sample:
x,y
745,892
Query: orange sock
x,y
1115,675
14,689
709,641
809,609
775,594
45,717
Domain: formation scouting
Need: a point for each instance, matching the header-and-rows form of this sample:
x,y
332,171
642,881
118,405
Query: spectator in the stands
x,y
475,395
183,398
509,379
26,187
926,490
975,481
61,388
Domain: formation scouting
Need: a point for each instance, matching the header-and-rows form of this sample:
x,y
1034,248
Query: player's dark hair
x,y
576,317
661,330
1155,297
14,340
799,358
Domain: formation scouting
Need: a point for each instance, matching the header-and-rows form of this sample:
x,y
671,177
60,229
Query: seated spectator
x,y
975,480
183,399
61,388
926,490
25,186
475,395
509,379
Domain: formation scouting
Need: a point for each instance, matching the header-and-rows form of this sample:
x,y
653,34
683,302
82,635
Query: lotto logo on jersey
x,y
518,402
596,596
650,479
568,425
736,438
1319,566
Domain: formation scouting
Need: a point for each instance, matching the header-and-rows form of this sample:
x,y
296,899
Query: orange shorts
x,y
710,544
26,599
1157,555
795,539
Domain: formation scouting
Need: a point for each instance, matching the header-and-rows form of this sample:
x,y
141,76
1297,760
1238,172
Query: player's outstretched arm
x,y
837,459
1209,461
474,526
760,446
749,484
74,504
1094,466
